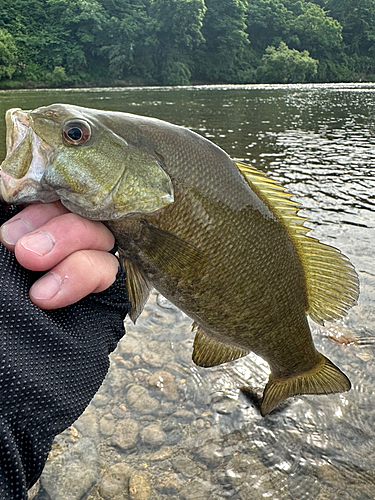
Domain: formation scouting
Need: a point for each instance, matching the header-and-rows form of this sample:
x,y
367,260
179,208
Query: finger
x,y
81,273
28,220
61,236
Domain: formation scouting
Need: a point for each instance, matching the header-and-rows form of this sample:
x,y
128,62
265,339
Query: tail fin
x,y
325,378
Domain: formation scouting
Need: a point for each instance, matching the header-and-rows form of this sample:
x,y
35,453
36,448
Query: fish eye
x,y
75,134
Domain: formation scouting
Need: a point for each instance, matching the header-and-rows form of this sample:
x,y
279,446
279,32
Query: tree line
x,y
177,42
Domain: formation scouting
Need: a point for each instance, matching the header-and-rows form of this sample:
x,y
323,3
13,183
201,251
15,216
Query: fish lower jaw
x,y
22,191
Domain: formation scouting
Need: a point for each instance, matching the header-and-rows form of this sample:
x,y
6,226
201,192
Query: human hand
x,y
74,251
56,360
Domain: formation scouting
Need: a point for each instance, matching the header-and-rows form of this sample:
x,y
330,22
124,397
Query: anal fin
x,y
209,352
137,287
325,378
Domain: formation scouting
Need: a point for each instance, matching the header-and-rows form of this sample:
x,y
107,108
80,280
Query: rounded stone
x,y
186,466
168,483
126,434
196,490
115,481
107,425
165,383
87,424
140,399
80,464
153,435
100,400
139,486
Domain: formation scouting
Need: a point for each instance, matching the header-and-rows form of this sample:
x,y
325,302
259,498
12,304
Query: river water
x,y
160,427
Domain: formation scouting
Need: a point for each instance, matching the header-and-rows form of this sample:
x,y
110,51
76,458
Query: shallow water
x,y
179,431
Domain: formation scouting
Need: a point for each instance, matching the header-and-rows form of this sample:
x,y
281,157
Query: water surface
x,y
197,436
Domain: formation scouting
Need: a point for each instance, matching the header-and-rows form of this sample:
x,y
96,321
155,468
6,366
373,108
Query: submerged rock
x,y
153,435
197,490
166,384
139,486
139,398
126,434
80,464
107,425
115,481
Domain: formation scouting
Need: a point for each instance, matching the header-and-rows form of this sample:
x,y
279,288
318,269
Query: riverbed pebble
x,y
165,383
139,398
168,483
139,486
107,425
153,435
115,481
81,472
126,434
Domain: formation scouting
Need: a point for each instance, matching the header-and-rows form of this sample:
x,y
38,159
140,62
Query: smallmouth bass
x,y
217,238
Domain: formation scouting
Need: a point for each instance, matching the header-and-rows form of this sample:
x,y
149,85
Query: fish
x,y
218,238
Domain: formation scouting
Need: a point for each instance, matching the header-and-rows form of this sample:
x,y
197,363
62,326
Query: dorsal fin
x,y
331,281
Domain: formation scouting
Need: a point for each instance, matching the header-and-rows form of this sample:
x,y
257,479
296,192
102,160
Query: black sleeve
x,y
51,365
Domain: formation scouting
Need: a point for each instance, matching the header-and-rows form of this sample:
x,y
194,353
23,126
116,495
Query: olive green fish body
x,y
218,239
243,292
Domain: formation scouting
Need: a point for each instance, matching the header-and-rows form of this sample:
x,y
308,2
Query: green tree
x,y
51,33
126,33
174,42
178,32
298,23
358,20
226,56
312,29
73,29
301,24
266,22
285,65
8,54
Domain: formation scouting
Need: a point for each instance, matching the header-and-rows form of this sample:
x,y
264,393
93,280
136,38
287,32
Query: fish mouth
x,y
17,124
26,160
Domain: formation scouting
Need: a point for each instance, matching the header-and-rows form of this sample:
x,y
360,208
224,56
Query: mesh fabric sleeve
x,y
51,365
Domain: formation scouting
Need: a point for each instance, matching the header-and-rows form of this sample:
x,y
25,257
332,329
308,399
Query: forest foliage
x,y
176,42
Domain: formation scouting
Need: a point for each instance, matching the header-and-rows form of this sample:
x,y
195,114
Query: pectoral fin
x,y
137,287
325,378
168,252
209,352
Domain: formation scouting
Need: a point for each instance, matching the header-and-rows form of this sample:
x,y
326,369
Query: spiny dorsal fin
x,y
325,378
137,288
209,352
331,281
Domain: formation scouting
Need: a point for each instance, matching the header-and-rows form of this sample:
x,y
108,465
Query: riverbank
x,y
106,83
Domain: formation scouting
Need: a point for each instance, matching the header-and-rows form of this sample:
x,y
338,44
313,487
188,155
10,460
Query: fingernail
x,y
40,243
11,232
46,287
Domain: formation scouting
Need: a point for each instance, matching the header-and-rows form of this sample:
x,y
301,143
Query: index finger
x,y
28,220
